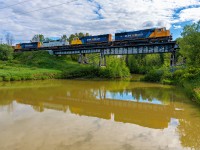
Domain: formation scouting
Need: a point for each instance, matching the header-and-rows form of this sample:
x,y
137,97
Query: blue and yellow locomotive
x,y
154,34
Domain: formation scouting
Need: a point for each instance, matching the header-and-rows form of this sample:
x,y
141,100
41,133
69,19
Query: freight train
x,y
149,35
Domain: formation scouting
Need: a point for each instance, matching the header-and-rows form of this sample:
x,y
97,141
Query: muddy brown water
x,y
96,115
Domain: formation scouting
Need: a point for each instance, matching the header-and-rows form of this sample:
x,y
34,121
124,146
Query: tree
x,y
6,52
47,39
1,40
38,38
78,35
64,38
9,38
190,45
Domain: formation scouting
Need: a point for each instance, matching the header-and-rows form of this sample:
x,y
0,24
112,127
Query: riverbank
x,y
41,65
188,78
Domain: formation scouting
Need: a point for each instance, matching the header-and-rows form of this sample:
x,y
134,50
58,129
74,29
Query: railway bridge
x,y
114,48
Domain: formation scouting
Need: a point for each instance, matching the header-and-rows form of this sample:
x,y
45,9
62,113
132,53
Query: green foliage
x,y
64,38
6,52
39,37
144,63
42,59
79,35
116,68
15,78
168,82
188,78
154,76
17,72
190,45
6,78
82,72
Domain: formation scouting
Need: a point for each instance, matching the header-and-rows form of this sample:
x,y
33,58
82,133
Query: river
x,y
96,115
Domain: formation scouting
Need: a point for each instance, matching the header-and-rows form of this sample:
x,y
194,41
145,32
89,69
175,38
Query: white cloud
x,y
190,14
93,16
177,26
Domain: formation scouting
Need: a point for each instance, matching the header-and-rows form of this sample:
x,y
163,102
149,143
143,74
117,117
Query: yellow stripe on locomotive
x,y
39,44
160,32
76,41
18,46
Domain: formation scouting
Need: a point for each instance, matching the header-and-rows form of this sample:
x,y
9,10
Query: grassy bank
x,y
13,72
41,65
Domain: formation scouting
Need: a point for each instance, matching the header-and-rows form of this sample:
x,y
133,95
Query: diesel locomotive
x,y
149,35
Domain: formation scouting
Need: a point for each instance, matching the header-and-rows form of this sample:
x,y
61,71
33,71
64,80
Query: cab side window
x,y
159,30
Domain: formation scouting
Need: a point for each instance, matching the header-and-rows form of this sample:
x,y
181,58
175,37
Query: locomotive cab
x,y
76,41
18,46
160,32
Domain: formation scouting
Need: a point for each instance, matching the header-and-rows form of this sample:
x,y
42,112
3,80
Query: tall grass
x,y
17,73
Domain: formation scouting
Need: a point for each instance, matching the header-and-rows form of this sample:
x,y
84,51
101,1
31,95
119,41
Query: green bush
x,y
178,74
154,76
82,72
28,77
6,78
168,82
15,78
167,75
44,77
6,52
116,68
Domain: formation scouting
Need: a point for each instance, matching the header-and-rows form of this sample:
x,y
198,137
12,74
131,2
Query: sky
x,y
53,18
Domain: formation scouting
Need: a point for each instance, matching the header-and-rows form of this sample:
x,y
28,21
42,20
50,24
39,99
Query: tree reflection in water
x,y
147,105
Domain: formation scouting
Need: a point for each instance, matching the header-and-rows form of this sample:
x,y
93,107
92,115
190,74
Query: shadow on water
x,y
145,104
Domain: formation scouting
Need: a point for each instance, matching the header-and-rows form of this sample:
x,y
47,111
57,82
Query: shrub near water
x,y
116,68
153,76
6,52
188,78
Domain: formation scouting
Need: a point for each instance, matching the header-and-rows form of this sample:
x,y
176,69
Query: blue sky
x,y
32,17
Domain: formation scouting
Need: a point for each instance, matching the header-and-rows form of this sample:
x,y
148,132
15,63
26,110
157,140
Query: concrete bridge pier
x,y
82,59
102,60
173,59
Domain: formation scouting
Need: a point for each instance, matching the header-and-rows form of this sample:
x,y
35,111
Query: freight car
x,y
54,43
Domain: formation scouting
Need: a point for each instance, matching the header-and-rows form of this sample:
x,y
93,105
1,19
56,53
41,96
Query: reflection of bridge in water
x,y
144,114
119,101
144,104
